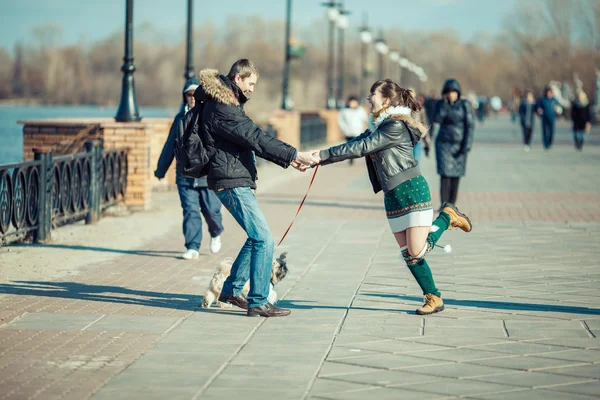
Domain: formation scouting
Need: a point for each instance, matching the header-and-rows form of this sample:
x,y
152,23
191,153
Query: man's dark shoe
x,y
239,301
268,310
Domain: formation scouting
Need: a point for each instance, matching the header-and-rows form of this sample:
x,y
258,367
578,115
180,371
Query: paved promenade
x,y
522,295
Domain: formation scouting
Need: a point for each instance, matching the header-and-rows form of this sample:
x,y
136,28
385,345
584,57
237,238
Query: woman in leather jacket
x,y
387,146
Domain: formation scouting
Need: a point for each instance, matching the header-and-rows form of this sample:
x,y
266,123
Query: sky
x,y
90,20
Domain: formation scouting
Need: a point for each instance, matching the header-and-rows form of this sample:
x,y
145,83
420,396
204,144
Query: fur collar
x,y
212,84
398,113
374,121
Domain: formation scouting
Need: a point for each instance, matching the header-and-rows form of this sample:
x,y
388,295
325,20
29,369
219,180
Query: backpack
x,y
190,151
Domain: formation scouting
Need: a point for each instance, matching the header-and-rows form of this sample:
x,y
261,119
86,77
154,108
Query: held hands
x,y
306,159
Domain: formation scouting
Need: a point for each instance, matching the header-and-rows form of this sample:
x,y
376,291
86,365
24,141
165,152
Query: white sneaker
x,y
215,244
526,148
190,254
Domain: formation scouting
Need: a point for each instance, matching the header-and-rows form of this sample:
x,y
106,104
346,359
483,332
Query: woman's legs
x,y
528,134
453,190
578,138
413,244
445,189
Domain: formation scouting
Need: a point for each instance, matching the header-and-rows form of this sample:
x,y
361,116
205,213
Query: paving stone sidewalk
x,y
522,294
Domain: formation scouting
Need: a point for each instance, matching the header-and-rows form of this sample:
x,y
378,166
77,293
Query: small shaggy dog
x,y
215,286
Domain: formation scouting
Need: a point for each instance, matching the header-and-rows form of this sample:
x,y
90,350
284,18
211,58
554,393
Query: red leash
x,y
301,204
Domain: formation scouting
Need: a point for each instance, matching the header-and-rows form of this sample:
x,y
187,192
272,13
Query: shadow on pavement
x,y
148,253
109,294
499,305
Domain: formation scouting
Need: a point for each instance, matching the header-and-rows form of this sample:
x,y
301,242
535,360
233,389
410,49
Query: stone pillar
x,y
144,140
334,134
287,126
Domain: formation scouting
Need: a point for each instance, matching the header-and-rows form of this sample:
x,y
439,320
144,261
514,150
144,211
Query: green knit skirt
x,y
408,205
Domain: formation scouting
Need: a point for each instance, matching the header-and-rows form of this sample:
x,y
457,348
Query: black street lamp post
x,y
332,15
342,24
365,38
189,59
286,67
128,108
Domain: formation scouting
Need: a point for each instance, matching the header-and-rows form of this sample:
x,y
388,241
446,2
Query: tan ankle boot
x,y
432,305
457,219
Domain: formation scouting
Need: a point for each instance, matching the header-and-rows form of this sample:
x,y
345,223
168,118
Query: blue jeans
x,y
196,200
547,132
255,259
418,151
578,138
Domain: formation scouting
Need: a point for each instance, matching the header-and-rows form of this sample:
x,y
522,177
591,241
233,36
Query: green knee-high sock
x,y
422,273
442,222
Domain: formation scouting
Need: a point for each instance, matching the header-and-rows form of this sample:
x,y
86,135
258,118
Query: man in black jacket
x,y
233,140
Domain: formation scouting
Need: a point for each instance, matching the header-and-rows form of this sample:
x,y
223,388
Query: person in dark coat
x,y
526,115
581,116
232,141
453,140
548,107
194,194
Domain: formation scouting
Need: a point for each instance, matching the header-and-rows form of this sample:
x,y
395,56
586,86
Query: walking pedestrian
x,y
194,195
496,104
233,140
352,119
387,146
526,115
454,139
581,116
548,107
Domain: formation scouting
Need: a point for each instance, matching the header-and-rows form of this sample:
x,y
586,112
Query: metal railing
x,y
37,196
313,130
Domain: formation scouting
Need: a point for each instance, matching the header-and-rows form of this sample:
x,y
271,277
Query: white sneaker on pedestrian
x,y
526,148
191,254
215,244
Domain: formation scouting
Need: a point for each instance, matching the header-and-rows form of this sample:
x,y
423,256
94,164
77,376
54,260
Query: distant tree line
x,y
542,40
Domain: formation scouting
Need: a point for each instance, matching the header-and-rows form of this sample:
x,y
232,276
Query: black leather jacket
x,y
232,137
389,149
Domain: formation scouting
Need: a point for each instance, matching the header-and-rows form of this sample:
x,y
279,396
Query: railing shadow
x,y
102,293
148,253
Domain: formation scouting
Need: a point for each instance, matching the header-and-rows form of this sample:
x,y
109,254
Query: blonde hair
x,y
582,97
242,67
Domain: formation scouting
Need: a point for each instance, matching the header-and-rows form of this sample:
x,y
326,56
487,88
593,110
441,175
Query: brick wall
x,y
143,139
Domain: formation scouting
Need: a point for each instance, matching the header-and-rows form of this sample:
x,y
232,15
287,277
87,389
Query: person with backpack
x,y
454,139
194,194
231,140
548,108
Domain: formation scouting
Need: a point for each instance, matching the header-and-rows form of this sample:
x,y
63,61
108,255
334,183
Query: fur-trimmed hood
x,y
412,123
398,113
219,88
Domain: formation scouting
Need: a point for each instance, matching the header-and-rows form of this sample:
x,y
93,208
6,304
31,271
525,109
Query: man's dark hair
x,y
244,68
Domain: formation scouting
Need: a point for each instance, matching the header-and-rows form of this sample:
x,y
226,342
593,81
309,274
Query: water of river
x,y
11,133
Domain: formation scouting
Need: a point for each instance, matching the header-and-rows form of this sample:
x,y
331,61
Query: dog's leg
x,y
209,297
224,305
272,298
